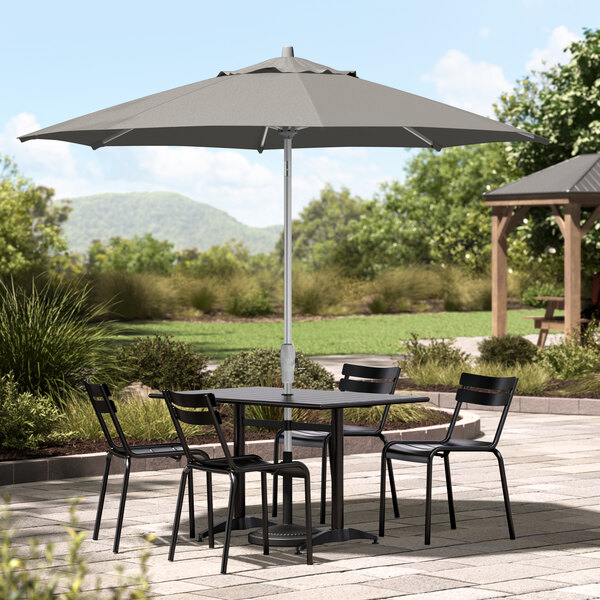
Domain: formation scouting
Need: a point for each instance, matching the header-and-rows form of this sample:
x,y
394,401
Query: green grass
x,y
379,334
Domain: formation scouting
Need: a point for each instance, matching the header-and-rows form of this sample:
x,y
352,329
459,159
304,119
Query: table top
x,y
550,298
314,399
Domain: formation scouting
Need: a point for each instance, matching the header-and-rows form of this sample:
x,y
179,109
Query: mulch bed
x,y
81,446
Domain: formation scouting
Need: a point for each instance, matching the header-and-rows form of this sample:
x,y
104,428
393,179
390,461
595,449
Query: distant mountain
x,y
166,215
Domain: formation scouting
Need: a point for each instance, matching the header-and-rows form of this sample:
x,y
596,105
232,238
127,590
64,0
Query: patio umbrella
x,y
272,105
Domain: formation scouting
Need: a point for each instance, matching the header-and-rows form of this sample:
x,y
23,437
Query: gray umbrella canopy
x,y
330,108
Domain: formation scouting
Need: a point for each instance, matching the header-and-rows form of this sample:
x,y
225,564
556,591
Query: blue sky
x,y
63,59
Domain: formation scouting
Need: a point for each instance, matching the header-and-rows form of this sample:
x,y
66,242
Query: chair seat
x,y
306,437
157,450
420,451
252,462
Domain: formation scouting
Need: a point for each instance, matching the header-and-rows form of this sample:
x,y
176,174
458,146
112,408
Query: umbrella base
x,y
282,535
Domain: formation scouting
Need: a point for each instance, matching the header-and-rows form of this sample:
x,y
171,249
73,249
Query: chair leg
x,y
178,506
308,520
101,498
191,504
393,489
511,528
122,505
449,491
265,512
384,462
275,461
232,488
323,483
428,501
209,506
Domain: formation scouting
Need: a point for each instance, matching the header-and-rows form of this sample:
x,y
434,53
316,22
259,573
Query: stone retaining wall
x,y
87,465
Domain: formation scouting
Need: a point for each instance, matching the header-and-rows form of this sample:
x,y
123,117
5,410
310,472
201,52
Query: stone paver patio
x,y
553,469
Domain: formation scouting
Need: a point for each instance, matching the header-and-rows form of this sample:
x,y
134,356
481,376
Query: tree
x,y
137,255
30,225
323,226
561,104
437,216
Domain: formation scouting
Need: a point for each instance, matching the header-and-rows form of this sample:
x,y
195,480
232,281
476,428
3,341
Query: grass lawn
x,y
379,334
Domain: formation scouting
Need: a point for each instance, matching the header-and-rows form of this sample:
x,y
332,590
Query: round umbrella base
x,y
281,535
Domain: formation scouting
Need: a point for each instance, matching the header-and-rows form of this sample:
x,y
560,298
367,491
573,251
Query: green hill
x,y
166,215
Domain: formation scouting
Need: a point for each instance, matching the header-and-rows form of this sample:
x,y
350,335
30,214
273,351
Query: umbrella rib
x,y
111,138
423,138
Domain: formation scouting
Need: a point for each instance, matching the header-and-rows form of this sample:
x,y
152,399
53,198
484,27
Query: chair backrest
x,y
370,380
484,391
196,409
99,394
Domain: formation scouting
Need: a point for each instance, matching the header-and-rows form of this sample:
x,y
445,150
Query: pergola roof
x,y
575,178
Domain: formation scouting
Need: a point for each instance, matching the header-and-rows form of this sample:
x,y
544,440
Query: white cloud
x,y
46,155
465,83
484,33
553,53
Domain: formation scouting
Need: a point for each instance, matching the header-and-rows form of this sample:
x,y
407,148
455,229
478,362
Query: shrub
x,y
315,292
203,299
29,572
463,291
439,352
397,290
162,362
134,296
569,360
507,350
540,289
249,305
26,421
51,339
405,413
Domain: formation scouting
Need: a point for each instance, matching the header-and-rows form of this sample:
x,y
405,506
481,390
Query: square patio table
x,y
334,401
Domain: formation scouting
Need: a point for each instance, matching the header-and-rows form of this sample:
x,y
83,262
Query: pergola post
x,y
572,276
499,270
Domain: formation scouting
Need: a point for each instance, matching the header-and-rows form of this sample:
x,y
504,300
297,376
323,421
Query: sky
x,y
63,59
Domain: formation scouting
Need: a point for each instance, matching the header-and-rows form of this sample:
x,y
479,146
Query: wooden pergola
x,y
565,188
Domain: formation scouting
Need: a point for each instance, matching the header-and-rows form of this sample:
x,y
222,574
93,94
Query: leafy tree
x,y
218,261
30,225
561,104
437,215
137,255
322,227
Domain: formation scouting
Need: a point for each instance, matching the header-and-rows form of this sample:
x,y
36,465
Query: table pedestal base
x,y
237,524
282,535
326,536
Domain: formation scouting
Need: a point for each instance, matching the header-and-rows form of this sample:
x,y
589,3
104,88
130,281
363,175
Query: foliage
x,y
322,227
465,291
533,378
203,297
569,360
134,296
142,418
30,226
26,420
436,216
441,352
137,255
405,413
249,305
507,350
218,261
33,575
162,362
262,367
561,103
51,338
397,290
314,292
539,288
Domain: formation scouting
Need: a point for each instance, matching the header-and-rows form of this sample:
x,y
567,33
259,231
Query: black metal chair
x,y
99,394
203,413
474,389
376,380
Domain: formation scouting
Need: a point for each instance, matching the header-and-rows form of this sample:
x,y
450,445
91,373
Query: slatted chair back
x,y
484,391
370,380
100,397
196,409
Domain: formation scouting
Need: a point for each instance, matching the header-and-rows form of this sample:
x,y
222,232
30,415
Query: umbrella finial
x,y
287,52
